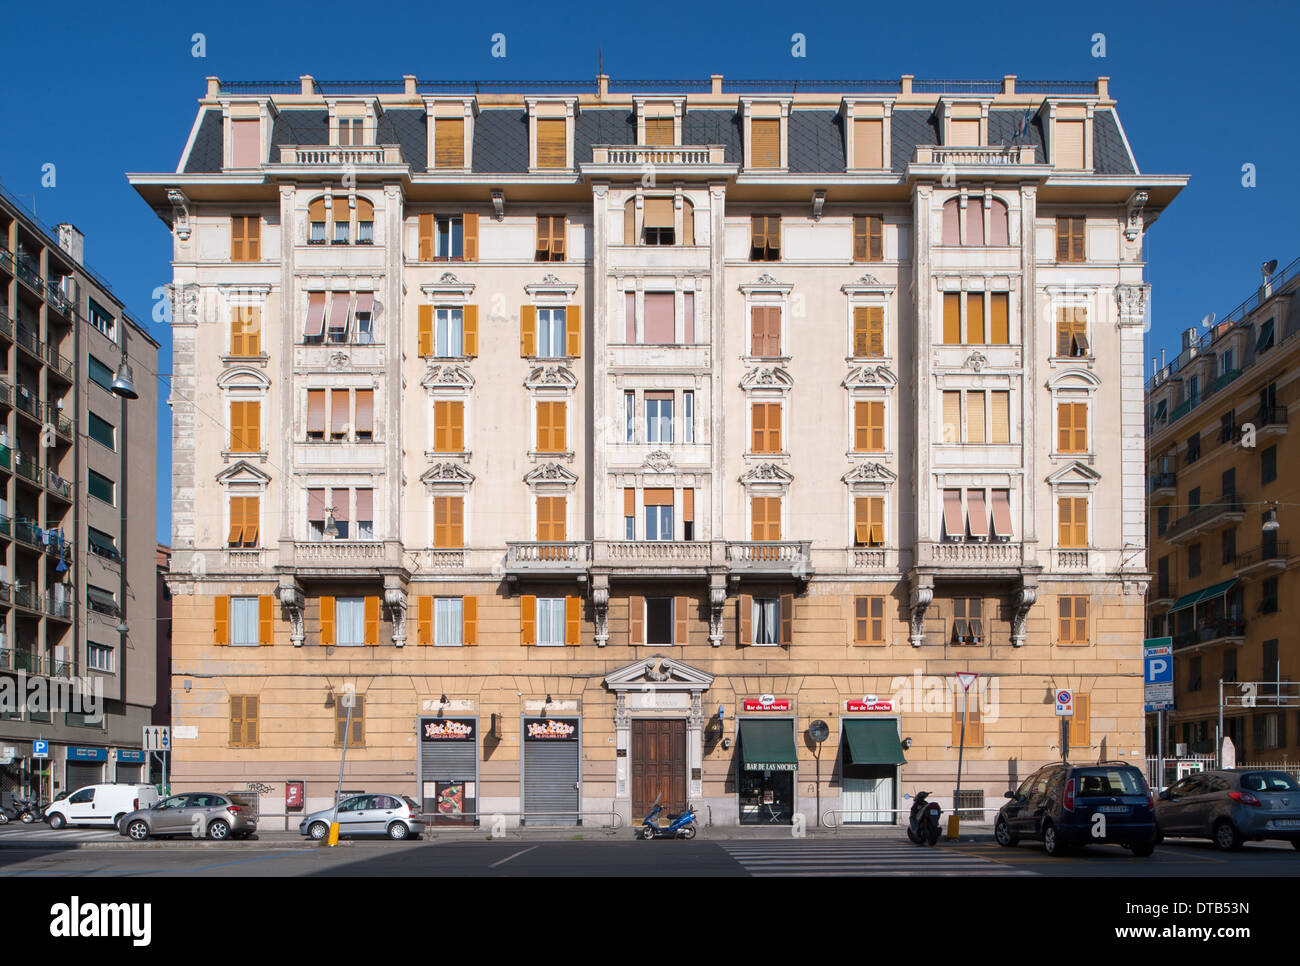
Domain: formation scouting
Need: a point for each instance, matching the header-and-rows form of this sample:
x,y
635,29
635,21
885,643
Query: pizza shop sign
x,y
767,702
551,729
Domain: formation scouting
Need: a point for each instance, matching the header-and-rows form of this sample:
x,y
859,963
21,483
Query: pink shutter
x,y
341,500
689,337
315,315
365,301
977,513
951,226
339,400
246,149
975,222
1002,513
952,520
659,329
339,310
365,411
998,224
365,506
315,411
316,504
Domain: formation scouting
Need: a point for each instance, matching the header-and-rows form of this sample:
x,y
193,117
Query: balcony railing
x,y
57,363
1158,482
58,485
27,597
1207,632
771,556
58,301
993,154
1227,508
6,325
25,466
31,276
545,556
1072,559
976,554
658,155
1271,418
61,423
656,553
1163,593
61,609
1273,557
25,400
339,156
337,552
6,393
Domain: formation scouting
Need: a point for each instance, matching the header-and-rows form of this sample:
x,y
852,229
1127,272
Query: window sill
x,y
447,359
882,454
759,455
765,360
568,360
339,442
323,344
568,456
868,360
432,455
229,454
260,360
1088,457
1058,361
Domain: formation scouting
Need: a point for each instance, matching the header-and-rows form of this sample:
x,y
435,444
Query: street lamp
x,y
1270,520
122,383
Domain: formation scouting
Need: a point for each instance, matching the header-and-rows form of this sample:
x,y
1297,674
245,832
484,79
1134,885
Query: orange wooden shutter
x,y
876,521
1081,722
372,621
660,130
975,417
543,238
528,620
221,620
469,234
745,619
573,621
426,249
424,330
765,143
327,621
635,621
1080,521
952,318
551,147
236,720
861,619
862,521
868,142
1069,145
424,620
975,318
868,330
469,330
573,331
528,331
787,619
265,619
253,237
1080,620
469,621
456,521
681,621
449,142
1000,322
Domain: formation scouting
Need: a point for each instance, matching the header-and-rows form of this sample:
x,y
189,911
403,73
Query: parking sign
x,y
1064,703
40,749
1158,673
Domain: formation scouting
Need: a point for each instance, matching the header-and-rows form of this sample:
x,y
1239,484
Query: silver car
x,y
1232,806
194,814
396,816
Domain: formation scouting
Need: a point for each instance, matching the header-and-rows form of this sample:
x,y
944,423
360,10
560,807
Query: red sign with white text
x,y
767,703
855,704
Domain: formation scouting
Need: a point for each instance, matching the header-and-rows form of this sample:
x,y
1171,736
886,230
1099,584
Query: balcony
x,y
1163,594
1225,630
26,596
319,156
59,366
563,558
1206,519
1072,559
25,402
1182,410
1162,486
637,156
1270,421
6,393
343,558
62,608
1263,560
58,486
30,275
17,659
656,557
28,342
6,325
1011,154
26,468
59,301
977,557
784,558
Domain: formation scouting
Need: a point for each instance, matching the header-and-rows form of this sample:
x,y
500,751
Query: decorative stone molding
x,y
551,377
860,376
551,473
339,360
449,288
551,283
921,596
1025,599
600,609
717,601
818,202
975,361
767,377
869,473
395,602
1135,223
767,473
1131,301
447,377
446,473
660,461
498,204
244,472
766,283
294,602
180,213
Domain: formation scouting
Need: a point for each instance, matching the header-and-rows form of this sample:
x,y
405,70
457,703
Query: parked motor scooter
x,y
20,810
923,821
681,827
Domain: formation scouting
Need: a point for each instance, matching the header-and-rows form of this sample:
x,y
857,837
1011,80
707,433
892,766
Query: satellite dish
x,y
1270,266
819,731
1208,320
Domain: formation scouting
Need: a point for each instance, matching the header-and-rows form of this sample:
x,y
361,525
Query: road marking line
x,y
509,857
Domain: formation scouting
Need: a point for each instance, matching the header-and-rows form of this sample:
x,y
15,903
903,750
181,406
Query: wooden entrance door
x,y
658,765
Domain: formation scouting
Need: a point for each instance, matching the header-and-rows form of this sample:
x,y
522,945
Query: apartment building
x,y
586,445
1221,502
77,500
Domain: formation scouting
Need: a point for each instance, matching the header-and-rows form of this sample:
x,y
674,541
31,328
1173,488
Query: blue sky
x,y
1203,89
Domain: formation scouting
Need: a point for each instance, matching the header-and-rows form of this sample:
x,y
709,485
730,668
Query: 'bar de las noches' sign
x,y
869,702
767,702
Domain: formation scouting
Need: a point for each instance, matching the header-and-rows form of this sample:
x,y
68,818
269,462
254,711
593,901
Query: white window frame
x,y
886,326
868,394
672,520
688,416
461,488
1073,296
244,602
244,384
659,422
454,320
455,622
778,396
108,665
338,624
553,604
1076,490
552,322
1073,386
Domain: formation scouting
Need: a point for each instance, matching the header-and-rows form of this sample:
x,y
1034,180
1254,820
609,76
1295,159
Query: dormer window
x,y
657,122
352,131
245,142
659,131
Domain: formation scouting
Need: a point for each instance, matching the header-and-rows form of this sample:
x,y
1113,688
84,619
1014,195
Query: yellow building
x,y
589,445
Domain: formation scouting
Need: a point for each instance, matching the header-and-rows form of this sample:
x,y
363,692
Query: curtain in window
x,y
449,331
447,621
550,621
365,514
767,620
243,620
349,621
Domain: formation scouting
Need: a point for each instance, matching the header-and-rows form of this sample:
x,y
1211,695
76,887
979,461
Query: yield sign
x,y
966,679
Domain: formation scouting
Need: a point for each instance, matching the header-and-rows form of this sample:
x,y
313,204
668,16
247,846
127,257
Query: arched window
x,y
365,222
316,218
342,220
977,225
999,233
688,222
334,223
952,222
629,222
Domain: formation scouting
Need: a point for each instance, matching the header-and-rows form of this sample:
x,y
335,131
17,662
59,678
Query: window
x,y
103,320
1080,734
1071,427
1072,521
351,131
868,238
868,331
1269,731
967,623
349,621
1193,448
245,142
658,513
765,518
552,142
660,131
1270,671
767,621
551,523
1072,331
869,426
659,417
966,705
765,238
1194,674
102,488
765,331
448,426
356,714
244,616
1267,464
245,331
551,343
688,416
659,326
986,318
246,238
1072,620
245,426
449,521
766,427
103,544
688,514
629,513
550,621
1162,520
1228,545
99,657
449,142
1228,426
658,621
1230,664
629,412
448,333
765,142
449,238
550,238
101,374
551,418
102,601
659,221
1194,560
987,416
869,521
447,622
243,721
1069,239
869,620
103,432
244,521
1268,596
868,142
351,415
1194,498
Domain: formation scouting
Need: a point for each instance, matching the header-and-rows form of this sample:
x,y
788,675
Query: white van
x,y
99,804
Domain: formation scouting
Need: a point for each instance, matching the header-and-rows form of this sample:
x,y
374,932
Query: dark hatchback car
x,y
1232,806
1067,806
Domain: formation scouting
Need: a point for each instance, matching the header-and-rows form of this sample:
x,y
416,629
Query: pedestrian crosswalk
x,y
16,834
858,858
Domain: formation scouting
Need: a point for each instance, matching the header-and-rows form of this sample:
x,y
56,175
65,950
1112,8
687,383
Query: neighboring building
x,y
1222,504
599,443
77,502
162,709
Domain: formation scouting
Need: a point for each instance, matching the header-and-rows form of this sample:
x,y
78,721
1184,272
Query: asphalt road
x,y
620,856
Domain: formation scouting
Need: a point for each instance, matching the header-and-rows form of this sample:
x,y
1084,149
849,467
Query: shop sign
x,y
446,729
551,729
130,756
87,754
771,766
869,702
767,702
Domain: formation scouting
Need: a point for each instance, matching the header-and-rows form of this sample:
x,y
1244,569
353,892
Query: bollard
x,y
333,838
954,826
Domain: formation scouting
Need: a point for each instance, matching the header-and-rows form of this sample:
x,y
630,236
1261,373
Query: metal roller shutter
x,y
128,772
551,781
448,761
80,774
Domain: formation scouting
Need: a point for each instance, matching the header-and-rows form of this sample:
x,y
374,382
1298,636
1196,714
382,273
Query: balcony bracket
x,y
600,608
395,601
717,600
1025,599
922,595
294,601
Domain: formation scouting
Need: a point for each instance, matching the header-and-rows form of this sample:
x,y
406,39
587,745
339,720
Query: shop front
x,y
766,764
83,766
449,770
552,771
870,756
130,765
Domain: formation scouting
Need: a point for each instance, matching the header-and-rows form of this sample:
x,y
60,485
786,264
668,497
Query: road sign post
x,y
965,679
1158,691
1065,711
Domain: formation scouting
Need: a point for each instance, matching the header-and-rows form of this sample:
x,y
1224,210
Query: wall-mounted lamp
x,y
726,743
1270,520
122,383
442,699
907,743
188,686
548,699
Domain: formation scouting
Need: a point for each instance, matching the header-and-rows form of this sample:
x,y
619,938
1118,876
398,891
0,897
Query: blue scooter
x,y
681,827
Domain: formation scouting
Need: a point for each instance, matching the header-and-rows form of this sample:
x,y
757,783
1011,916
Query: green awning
x,y
767,746
874,742
1196,596
102,542
1265,336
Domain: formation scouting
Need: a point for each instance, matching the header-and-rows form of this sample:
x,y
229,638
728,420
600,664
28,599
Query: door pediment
x,y
659,673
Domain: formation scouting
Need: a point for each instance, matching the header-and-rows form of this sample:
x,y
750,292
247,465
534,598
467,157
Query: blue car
x,y
1068,806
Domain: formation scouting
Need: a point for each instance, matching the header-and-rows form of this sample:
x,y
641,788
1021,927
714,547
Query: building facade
x,y
587,447
77,501
1221,502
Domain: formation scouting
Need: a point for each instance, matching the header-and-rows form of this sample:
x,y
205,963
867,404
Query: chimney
x,y
1103,88
905,85
1008,83
1189,338
602,86
308,85
214,88
1162,358
409,81
72,241
716,80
